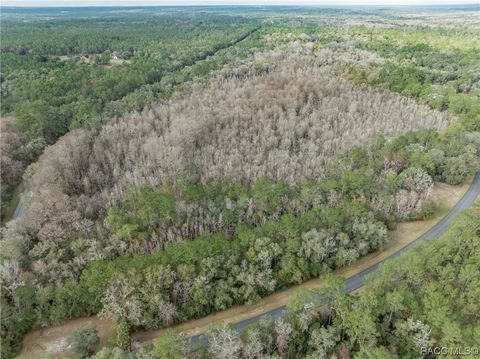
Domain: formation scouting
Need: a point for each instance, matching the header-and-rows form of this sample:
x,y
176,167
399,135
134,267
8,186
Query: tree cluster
x,y
15,154
426,299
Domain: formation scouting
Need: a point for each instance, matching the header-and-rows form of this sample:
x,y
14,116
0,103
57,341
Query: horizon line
x,y
477,4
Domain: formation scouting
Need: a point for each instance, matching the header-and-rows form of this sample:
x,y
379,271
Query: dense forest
x,y
75,71
425,299
182,162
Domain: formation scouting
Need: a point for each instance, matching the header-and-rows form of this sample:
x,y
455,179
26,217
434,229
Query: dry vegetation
x,y
283,114
282,117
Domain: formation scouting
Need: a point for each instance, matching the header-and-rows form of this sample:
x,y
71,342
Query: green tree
x,y
368,352
171,345
122,338
83,341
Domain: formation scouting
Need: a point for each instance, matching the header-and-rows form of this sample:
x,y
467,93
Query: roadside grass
x,y
52,342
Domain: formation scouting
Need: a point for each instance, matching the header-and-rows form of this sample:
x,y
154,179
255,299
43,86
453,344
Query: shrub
x,y
122,339
170,345
84,341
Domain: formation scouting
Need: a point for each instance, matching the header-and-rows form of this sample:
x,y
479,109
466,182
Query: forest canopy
x,y
424,300
182,161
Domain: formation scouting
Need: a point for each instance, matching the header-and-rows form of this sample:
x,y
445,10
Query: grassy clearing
x,y
52,343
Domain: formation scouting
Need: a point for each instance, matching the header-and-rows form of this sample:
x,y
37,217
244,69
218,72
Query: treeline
x,y
425,300
437,66
65,92
77,33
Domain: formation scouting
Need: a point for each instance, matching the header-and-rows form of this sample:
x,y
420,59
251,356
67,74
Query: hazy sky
x,y
226,2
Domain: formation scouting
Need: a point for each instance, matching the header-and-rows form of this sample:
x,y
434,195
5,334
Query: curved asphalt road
x,y
358,280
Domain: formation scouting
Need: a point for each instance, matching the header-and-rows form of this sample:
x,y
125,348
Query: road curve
x,y
358,280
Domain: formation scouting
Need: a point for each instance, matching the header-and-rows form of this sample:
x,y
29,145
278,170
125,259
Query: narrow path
x,y
11,207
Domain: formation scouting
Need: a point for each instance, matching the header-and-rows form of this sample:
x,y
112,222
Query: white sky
x,y
227,2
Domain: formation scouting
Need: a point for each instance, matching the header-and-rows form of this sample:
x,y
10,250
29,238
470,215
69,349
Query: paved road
x,y
20,210
358,280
